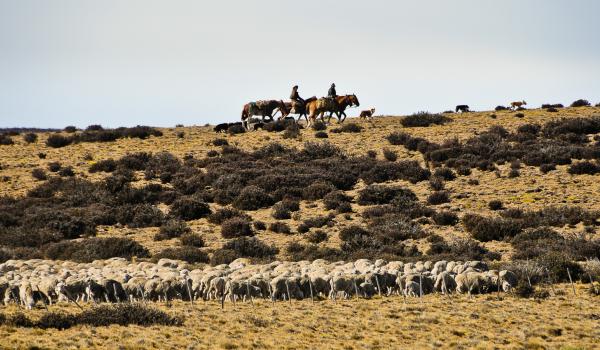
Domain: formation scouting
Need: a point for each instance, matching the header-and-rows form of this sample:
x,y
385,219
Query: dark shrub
x,y
408,170
70,129
495,205
317,190
519,115
352,232
58,320
445,218
533,129
19,320
380,194
39,174
280,227
310,252
580,103
90,249
220,142
66,172
281,212
30,137
317,236
489,229
212,153
236,227
552,110
252,198
436,183
372,154
107,165
125,314
398,138
180,134
501,108
251,248
390,155
321,135
185,253
6,140
334,199
141,215
546,168
423,119
223,256
187,208
468,249
349,127
42,155
319,126
192,240
236,129
291,204
172,229
514,173
259,226
291,132
585,167
445,173
557,264
438,197
314,222
463,171
94,127
321,150
58,140
223,214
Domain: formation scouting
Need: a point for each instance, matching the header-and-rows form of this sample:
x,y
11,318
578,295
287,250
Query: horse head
x,y
354,100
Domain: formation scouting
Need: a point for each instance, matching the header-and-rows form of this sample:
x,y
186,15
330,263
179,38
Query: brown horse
x,y
336,105
261,108
299,109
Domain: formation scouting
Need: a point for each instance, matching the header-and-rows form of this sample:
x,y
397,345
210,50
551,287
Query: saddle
x,y
326,103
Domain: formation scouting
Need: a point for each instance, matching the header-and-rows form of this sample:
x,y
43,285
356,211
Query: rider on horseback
x,y
331,93
295,97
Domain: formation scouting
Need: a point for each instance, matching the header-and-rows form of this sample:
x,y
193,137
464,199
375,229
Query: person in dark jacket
x,y
295,97
331,93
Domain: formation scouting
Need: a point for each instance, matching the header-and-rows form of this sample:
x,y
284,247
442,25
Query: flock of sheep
x,y
118,280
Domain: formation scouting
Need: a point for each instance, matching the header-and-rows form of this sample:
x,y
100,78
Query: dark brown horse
x,y
262,109
336,105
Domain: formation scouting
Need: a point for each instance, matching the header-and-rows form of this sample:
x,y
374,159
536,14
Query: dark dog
x,y
462,108
258,126
221,127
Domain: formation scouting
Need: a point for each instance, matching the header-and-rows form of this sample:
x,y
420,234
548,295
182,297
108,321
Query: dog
x,y
368,114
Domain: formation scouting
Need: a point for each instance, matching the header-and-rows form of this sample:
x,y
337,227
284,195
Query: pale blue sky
x,y
128,62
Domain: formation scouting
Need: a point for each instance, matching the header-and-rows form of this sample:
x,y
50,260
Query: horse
x,y
462,108
262,109
517,104
335,105
299,109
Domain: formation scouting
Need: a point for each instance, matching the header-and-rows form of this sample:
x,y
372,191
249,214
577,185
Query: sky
x,y
161,63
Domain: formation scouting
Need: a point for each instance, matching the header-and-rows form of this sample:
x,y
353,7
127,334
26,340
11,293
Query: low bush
x,y
107,166
90,249
280,227
317,190
252,198
390,155
486,229
501,108
39,174
546,168
349,127
380,194
423,119
6,140
319,126
445,218
291,132
438,197
321,135
398,138
236,129
30,137
333,200
444,173
281,212
514,173
220,142
585,167
223,214
251,248
495,205
172,229
58,141
259,225
187,208
70,129
316,237
192,240
223,256
66,171
519,115
236,227
185,253
580,103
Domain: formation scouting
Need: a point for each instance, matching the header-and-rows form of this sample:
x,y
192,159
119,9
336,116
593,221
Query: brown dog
x,y
368,114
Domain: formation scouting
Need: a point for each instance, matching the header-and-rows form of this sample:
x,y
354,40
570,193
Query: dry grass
x,y
482,322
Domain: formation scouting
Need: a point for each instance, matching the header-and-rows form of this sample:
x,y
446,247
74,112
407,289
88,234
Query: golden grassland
x,y
485,322
531,190
563,321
